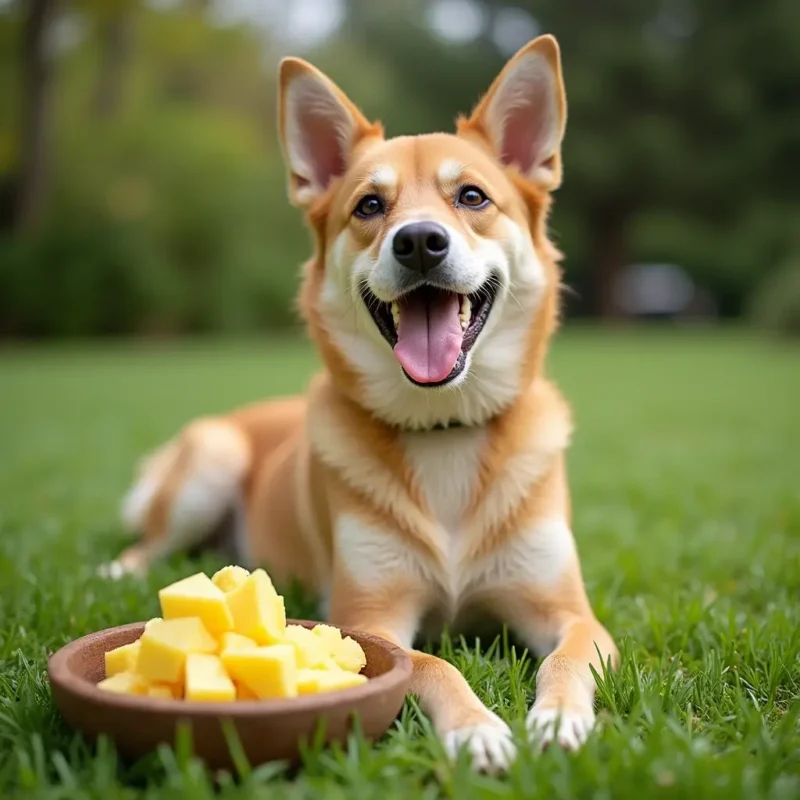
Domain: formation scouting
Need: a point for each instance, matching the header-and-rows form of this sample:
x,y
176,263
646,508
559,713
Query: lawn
x,y
685,474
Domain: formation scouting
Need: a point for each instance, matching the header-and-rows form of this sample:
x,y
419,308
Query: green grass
x,y
686,482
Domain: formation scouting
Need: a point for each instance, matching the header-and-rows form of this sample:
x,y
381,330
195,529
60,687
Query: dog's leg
x,y
564,707
183,493
133,560
561,624
457,715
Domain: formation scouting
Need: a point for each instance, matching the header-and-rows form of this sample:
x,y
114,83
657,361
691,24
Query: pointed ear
x,y
319,127
524,113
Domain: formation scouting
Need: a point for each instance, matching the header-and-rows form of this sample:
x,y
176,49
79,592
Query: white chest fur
x,y
445,465
446,469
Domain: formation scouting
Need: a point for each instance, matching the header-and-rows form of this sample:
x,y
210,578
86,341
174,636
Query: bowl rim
x,y
63,678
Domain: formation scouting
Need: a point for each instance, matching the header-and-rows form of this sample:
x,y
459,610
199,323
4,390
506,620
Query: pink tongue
x,y
429,335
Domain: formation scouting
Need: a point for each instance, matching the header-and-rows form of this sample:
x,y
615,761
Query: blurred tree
x,y
111,21
37,73
160,177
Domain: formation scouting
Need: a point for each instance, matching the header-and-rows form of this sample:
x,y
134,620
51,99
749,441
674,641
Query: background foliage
x,y
162,206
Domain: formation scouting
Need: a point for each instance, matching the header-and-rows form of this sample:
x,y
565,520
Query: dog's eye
x,y
369,206
473,197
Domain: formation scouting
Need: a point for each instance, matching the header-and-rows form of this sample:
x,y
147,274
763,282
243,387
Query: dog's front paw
x,y
568,727
112,570
487,741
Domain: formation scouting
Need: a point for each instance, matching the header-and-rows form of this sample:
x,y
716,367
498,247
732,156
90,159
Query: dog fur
x,y
408,507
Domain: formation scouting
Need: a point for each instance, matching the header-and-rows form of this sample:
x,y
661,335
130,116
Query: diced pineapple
x,y
165,646
207,680
257,609
225,638
229,578
164,691
333,680
311,650
346,652
266,671
243,693
235,641
197,596
124,683
317,681
121,659
308,680
328,634
349,655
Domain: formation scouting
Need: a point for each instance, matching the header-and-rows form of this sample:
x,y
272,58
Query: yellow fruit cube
x,y
207,680
124,683
328,634
308,680
243,693
348,654
151,622
311,650
164,691
317,681
165,646
257,609
235,641
266,671
229,578
197,596
121,659
334,680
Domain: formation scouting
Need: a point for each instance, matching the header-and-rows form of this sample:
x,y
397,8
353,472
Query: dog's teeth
x,y
396,314
465,314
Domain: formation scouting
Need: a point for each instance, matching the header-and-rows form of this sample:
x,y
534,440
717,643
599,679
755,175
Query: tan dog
x,y
422,480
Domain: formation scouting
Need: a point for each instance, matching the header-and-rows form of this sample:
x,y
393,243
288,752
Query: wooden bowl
x,y
267,729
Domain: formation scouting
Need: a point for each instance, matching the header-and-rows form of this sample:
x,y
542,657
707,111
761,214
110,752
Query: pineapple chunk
x,y
334,679
349,655
308,680
257,609
346,652
266,671
328,634
229,578
121,659
164,691
243,693
311,650
197,596
124,683
207,680
317,681
235,641
165,646
151,622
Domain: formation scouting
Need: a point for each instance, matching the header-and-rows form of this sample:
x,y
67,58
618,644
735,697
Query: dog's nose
x,y
421,246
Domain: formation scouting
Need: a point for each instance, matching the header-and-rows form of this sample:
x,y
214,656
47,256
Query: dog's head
x,y
433,290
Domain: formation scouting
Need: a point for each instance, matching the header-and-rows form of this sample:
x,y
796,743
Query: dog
x,y
421,481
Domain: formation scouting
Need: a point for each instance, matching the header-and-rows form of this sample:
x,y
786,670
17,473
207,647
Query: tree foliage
x,y
683,146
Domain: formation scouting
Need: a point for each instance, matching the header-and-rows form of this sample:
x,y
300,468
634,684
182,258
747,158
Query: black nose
x,y
421,246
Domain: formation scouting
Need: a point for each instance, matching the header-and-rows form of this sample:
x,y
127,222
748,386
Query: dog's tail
x,y
185,488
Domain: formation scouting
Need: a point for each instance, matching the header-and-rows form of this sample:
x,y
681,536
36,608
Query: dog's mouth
x,y
431,330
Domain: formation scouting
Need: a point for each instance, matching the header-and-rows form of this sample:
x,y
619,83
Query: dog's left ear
x,y
319,129
523,115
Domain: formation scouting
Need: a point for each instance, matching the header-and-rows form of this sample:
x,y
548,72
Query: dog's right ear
x,y
319,128
524,113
